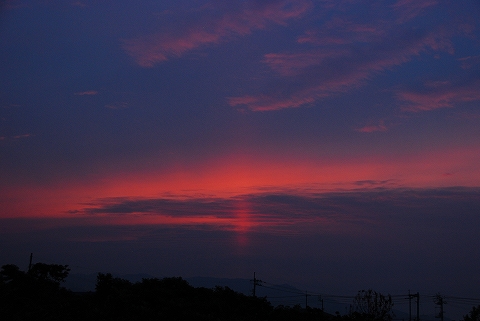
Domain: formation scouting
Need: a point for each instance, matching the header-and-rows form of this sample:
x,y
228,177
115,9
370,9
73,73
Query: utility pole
x,y
30,264
418,306
440,301
321,300
410,296
306,300
255,283
409,306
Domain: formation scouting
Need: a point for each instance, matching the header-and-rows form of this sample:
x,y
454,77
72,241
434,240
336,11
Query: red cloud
x,y
159,47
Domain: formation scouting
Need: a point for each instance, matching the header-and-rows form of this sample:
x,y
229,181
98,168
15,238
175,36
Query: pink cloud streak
x,y
439,95
87,93
151,49
341,31
380,127
470,62
410,9
329,70
267,103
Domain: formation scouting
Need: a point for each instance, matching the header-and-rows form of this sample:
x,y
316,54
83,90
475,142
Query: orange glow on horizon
x,y
233,175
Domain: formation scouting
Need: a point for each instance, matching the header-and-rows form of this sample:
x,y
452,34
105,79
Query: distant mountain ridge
x,y
79,282
283,294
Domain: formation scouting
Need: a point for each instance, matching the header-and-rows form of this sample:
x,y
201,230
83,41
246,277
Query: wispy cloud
x,y
117,105
275,102
21,136
79,4
379,127
410,9
440,94
13,4
372,203
314,74
291,64
347,51
16,137
343,31
212,29
470,62
245,213
86,93
467,115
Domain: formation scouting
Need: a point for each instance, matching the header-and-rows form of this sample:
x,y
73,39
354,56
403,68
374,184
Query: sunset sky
x,y
333,145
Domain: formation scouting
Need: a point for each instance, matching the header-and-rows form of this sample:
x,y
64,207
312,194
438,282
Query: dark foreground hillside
x,y
37,295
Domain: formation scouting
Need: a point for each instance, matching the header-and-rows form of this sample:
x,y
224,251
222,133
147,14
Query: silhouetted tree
x,y
372,306
49,273
55,273
35,294
11,272
108,285
113,297
286,313
474,314
173,299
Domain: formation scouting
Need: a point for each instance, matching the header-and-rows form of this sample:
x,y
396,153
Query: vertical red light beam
x,y
243,224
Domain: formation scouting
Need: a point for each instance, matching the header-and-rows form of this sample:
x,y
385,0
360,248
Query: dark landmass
x,y
37,294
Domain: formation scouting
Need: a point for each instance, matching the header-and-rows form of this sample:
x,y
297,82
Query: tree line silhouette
x,y
37,294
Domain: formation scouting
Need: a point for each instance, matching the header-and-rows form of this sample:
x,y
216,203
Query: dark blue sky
x,y
328,144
